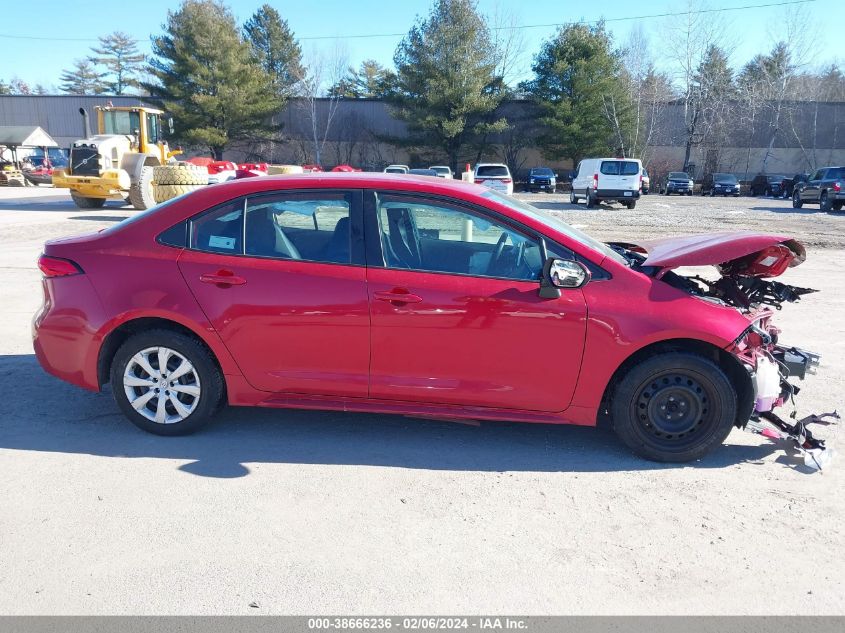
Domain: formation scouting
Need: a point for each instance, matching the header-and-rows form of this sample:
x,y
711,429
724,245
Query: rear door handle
x,y
222,278
397,296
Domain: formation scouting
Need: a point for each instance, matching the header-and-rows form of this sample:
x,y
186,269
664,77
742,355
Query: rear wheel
x,y
824,202
837,206
165,382
631,204
674,407
591,201
87,203
141,194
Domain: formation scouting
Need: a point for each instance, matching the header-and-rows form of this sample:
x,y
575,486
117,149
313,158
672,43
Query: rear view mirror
x,y
170,124
562,273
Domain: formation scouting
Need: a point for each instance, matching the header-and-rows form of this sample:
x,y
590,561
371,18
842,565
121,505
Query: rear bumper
x,y
616,194
113,183
65,338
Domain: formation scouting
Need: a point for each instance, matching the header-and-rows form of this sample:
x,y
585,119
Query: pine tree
x,y
578,84
118,52
446,88
209,80
82,79
275,48
370,81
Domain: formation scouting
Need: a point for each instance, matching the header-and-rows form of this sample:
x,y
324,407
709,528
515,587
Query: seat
x,y
337,249
403,239
265,238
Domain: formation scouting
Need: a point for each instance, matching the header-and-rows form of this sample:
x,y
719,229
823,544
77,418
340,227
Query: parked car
x,y
363,292
495,176
422,171
443,171
541,179
606,180
788,184
767,185
678,182
396,169
826,187
720,185
645,179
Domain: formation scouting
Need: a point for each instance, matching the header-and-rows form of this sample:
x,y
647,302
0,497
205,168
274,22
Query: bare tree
x,y
690,34
319,106
508,42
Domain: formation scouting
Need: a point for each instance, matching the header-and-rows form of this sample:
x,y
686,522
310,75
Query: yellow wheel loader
x,y
119,162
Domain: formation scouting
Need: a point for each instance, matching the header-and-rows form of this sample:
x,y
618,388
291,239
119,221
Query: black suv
x,y
767,185
678,182
720,185
826,187
541,179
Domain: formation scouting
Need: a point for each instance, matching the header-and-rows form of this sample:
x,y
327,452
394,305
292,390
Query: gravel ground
x,y
656,215
309,512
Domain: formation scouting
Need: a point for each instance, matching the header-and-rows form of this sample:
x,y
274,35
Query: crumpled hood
x,y
734,252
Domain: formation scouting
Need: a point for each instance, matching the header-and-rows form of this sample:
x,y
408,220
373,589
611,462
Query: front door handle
x,y
397,295
222,278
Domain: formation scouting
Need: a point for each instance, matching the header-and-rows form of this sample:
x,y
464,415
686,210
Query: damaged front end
x,y
746,263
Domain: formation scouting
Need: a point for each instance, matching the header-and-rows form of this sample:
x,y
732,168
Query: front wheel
x,y
796,200
573,199
674,407
165,382
87,203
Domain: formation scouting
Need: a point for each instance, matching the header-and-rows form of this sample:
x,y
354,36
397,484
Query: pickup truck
x,y
825,187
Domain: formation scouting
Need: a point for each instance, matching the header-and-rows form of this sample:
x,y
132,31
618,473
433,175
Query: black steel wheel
x,y
674,407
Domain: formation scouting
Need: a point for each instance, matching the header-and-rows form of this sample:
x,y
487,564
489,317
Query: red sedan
x,y
416,296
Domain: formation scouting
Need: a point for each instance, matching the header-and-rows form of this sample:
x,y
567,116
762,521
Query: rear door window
x,y
220,230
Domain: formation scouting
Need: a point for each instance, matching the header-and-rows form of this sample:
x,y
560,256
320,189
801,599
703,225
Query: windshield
x,y
679,175
491,170
120,122
442,170
542,171
554,223
724,177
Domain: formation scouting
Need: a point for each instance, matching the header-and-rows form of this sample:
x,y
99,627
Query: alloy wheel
x,y
162,385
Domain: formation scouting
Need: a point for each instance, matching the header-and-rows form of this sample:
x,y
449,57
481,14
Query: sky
x,y
364,29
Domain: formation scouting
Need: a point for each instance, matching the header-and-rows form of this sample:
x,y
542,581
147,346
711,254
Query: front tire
x,y
141,195
796,200
573,199
165,382
674,407
87,203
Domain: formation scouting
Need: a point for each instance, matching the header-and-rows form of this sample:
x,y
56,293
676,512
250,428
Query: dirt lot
x,y
308,512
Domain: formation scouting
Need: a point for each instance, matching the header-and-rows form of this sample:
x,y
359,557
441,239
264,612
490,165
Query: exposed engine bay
x,y
745,263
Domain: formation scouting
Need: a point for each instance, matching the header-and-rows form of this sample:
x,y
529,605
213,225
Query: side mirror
x,y
557,175
562,273
170,124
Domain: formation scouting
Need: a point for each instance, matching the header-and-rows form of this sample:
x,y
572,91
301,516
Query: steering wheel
x,y
497,253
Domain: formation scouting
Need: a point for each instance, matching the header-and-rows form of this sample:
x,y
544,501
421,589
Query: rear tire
x,y
181,174
631,204
150,398
591,202
837,206
824,202
141,194
674,407
87,203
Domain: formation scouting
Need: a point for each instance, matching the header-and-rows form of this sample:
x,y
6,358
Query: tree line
x,y
226,82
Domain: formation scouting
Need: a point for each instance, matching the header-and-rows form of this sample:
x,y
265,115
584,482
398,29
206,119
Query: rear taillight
x,y
837,187
58,267
479,180
506,180
641,181
595,181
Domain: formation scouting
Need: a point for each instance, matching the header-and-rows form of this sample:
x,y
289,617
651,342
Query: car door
x,y
811,190
280,276
455,310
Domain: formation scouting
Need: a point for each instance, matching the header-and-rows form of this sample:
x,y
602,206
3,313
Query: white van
x,y
495,176
607,180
